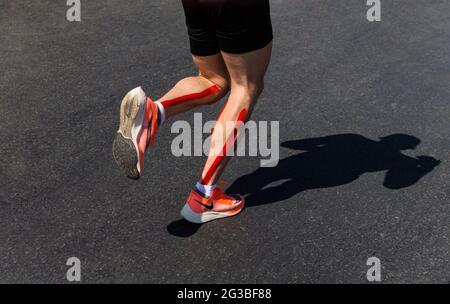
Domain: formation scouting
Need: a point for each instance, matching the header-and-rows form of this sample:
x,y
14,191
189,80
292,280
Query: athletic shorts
x,y
231,26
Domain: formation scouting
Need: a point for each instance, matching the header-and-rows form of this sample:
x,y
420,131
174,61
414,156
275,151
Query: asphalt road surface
x,y
345,189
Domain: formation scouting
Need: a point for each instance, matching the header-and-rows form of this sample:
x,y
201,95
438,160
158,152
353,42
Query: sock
x,y
206,190
161,113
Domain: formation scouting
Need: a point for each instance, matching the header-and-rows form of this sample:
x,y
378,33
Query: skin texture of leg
x,y
247,82
208,87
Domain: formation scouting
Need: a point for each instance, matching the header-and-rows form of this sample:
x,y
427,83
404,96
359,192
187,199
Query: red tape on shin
x,y
200,95
230,141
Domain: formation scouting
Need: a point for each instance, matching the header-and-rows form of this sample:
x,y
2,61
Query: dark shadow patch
x,y
182,228
326,162
332,161
5,203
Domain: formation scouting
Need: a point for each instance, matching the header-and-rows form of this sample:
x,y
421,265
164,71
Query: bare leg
x,y
208,87
247,82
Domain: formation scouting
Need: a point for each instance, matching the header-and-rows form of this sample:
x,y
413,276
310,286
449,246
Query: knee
x,y
250,92
223,85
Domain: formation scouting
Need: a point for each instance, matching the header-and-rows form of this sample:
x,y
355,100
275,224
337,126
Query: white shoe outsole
x,y
125,146
201,218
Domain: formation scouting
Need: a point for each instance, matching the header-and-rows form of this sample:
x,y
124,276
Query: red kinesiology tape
x,y
172,102
230,142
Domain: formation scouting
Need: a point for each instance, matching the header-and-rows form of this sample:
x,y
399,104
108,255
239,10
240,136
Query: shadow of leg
x,y
269,195
253,182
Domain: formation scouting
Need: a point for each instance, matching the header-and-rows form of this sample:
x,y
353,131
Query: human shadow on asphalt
x,y
326,162
332,161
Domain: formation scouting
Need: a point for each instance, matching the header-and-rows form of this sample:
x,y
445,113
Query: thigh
x,y
201,29
243,26
249,68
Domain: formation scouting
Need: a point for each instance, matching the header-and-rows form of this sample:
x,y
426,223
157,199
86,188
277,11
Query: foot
x,y
200,209
138,127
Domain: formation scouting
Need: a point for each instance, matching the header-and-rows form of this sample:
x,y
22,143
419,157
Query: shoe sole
x,y
201,218
125,150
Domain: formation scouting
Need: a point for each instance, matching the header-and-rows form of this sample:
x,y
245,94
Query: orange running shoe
x,y
199,209
138,127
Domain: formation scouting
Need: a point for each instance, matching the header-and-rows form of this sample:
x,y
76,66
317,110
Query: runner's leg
x,y
247,82
208,87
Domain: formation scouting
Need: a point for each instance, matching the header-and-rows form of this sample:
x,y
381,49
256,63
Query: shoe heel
x,y
129,110
190,216
124,150
125,156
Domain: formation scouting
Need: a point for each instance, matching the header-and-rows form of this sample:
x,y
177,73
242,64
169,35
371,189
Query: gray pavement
x,y
337,84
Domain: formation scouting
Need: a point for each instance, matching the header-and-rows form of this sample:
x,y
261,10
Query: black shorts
x,y
231,26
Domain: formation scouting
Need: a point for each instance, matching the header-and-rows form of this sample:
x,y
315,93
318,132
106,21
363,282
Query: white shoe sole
x,y
201,218
125,146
